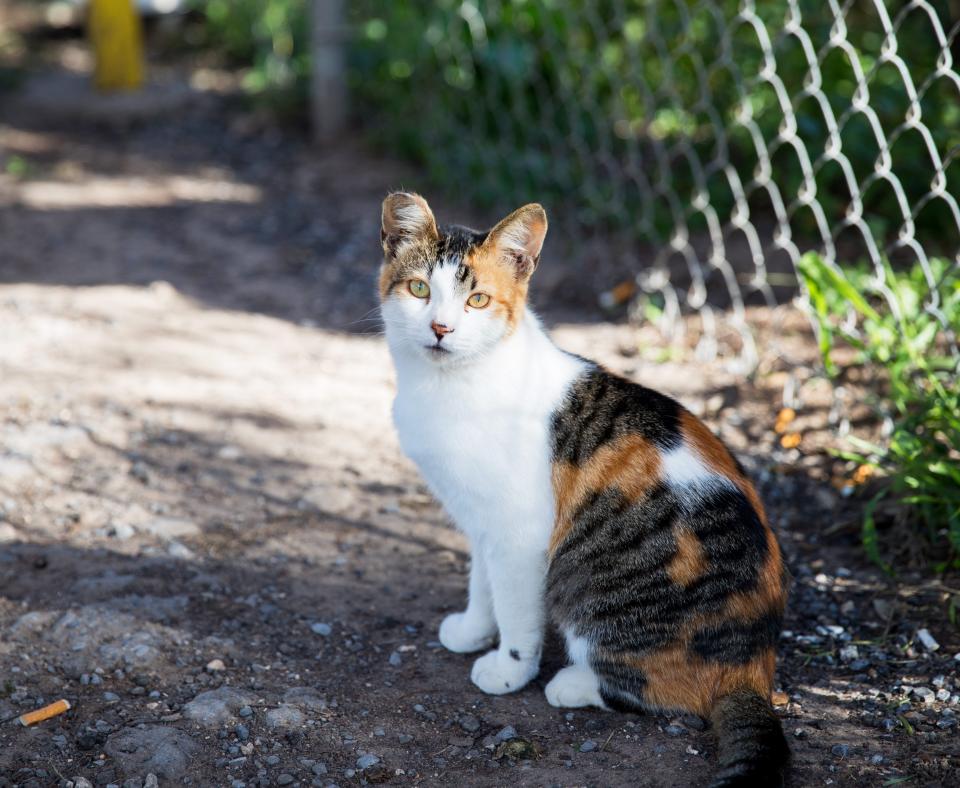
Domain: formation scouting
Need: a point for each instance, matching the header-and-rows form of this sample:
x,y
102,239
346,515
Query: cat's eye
x,y
478,300
419,288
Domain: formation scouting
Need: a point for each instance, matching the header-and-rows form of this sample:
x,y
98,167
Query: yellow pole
x,y
117,39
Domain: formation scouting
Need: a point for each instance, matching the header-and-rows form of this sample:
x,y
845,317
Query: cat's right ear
x,y
405,217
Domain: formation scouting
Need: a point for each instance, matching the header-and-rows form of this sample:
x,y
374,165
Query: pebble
x,y
469,723
840,750
245,711
588,746
395,659
111,697
927,640
284,779
404,738
321,629
876,759
674,730
507,733
943,695
285,716
319,768
243,732
151,781
82,782
366,761
272,760
925,693
215,666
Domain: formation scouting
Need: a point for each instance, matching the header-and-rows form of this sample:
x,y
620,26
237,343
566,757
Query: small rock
x,y
518,749
245,711
242,731
215,666
284,779
285,716
694,722
82,782
395,660
588,746
272,760
366,761
404,738
840,750
674,730
216,707
321,629
943,695
876,759
927,640
507,733
111,697
469,723
849,653
169,528
151,781
161,751
926,694
319,768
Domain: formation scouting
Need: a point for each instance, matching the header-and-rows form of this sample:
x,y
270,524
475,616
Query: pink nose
x,y
440,330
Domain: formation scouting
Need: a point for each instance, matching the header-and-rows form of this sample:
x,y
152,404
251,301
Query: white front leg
x,y
475,628
517,579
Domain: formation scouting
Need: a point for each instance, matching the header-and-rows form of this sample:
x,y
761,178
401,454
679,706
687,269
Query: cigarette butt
x,y
51,710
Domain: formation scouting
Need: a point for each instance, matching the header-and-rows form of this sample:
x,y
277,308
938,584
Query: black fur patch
x,y
601,407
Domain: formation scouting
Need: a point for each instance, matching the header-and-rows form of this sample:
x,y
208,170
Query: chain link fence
x,y
708,144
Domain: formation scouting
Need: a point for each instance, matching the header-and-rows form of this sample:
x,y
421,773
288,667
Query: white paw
x,y
574,687
498,673
463,636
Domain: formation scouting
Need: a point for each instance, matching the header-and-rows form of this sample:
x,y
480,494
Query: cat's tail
x,y
753,750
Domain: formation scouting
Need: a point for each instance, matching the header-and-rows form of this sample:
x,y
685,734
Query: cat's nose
x,y
440,330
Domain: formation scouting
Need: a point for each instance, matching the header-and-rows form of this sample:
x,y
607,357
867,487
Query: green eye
x,y
478,300
419,288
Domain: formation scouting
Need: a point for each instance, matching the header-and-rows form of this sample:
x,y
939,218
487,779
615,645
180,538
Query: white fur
x,y
476,421
574,687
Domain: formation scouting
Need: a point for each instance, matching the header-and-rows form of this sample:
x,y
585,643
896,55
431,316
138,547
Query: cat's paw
x,y
460,634
498,672
574,687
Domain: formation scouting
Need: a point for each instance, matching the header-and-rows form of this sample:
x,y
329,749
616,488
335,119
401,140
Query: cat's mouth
x,y
437,350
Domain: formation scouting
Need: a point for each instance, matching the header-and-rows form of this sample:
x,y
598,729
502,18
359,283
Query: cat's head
x,y
451,294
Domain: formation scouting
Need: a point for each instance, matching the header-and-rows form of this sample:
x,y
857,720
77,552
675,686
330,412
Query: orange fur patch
x,y
676,679
690,562
508,294
698,437
631,464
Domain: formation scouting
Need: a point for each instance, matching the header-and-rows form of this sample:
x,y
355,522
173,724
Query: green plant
x,y
907,347
270,38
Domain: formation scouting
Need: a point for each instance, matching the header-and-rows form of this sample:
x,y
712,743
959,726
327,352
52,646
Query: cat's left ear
x,y
518,239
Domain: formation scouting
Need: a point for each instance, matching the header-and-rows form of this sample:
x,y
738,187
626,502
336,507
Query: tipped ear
x,y
518,239
405,216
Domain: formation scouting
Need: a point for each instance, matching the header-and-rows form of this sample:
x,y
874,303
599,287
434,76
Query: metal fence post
x,y
328,89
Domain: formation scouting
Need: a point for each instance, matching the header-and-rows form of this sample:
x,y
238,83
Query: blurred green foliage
x,y
908,348
630,109
270,38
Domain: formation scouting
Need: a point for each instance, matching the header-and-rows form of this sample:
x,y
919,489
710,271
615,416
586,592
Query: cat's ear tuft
x,y
518,239
405,216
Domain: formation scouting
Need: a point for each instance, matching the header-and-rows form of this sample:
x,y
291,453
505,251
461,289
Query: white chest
x,y
482,441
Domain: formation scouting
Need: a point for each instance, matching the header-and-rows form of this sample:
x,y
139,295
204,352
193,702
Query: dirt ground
x,y
211,545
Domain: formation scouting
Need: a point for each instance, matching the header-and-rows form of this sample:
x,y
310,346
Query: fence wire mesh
x,y
710,144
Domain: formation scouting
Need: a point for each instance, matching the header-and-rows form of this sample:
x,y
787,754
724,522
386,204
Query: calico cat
x,y
583,495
